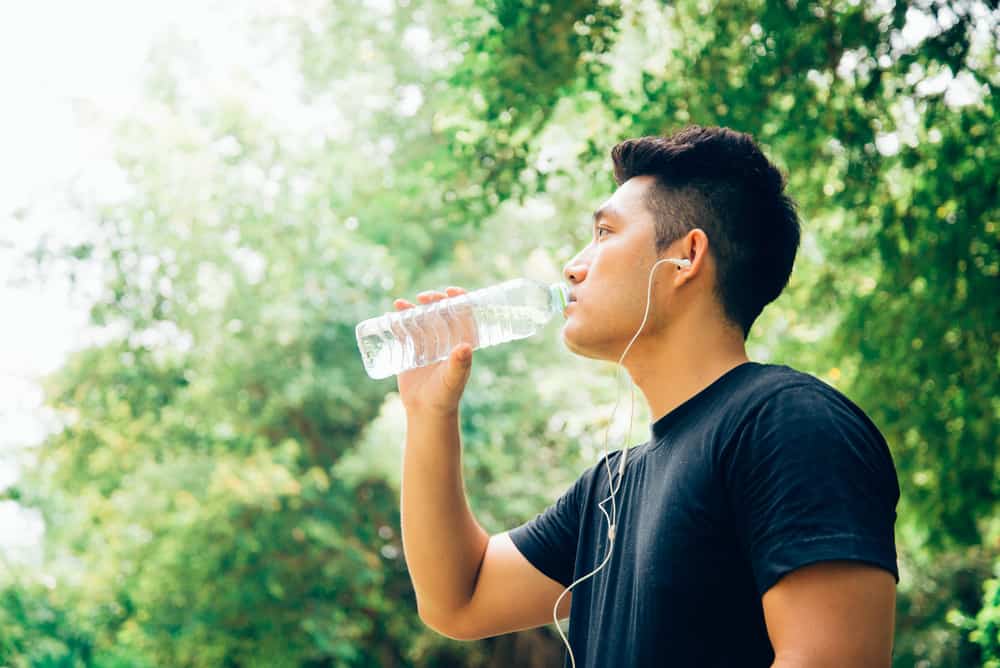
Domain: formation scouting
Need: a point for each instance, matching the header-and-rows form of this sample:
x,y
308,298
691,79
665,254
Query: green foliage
x,y
938,597
35,630
987,632
982,628
225,491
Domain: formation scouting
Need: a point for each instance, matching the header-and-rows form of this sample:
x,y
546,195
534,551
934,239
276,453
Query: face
x,y
610,279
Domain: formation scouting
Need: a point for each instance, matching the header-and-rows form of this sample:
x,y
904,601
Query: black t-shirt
x,y
765,470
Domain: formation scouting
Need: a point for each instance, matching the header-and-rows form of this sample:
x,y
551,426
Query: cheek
x,y
594,320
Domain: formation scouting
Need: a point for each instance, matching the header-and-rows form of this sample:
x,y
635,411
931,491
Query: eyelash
x,y
601,229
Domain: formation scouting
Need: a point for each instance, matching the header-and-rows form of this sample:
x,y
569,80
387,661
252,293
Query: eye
x,y
601,229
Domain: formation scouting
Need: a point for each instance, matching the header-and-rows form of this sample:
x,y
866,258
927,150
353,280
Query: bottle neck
x,y
558,298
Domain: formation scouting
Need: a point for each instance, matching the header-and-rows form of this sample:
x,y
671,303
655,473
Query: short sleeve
x,y
549,541
811,479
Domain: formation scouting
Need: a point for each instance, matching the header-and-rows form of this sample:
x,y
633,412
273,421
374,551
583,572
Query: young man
x,y
755,527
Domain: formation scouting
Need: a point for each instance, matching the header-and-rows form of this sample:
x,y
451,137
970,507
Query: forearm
x,y
442,542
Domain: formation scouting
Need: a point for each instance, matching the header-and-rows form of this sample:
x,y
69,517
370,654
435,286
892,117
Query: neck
x,y
683,359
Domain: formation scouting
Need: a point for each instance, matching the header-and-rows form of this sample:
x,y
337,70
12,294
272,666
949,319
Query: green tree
x,y
226,488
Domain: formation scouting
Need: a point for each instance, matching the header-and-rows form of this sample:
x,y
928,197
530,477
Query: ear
x,y
694,247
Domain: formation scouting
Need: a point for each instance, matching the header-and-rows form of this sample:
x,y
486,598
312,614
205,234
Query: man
x,y
755,527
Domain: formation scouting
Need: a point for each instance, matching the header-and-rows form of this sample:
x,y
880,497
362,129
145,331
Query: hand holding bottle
x,y
438,387
428,333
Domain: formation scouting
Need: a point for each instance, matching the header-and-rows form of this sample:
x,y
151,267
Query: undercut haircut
x,y
719,180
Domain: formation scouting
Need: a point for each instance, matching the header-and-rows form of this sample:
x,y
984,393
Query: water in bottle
x,y
398,341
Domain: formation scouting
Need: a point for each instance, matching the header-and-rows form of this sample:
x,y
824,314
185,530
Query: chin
x,y
577,348
570,344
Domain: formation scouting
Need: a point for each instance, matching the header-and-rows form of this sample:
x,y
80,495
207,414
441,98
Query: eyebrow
x,y
603,212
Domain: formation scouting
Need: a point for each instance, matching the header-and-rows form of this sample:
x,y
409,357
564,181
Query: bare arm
x,y
832,614
442,542
469,585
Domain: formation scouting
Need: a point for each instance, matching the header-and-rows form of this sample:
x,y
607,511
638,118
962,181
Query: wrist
x,y
425,413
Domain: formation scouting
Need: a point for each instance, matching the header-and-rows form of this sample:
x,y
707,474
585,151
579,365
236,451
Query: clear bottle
x,y
402,340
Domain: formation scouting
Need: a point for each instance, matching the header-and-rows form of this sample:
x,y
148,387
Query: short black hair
x,y
719,180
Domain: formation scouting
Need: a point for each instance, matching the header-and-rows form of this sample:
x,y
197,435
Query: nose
x,y
575,271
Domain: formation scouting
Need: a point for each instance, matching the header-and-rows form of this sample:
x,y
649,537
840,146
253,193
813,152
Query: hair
x,y
719,180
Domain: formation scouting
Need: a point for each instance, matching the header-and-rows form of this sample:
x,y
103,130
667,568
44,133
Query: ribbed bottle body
x,y
402,340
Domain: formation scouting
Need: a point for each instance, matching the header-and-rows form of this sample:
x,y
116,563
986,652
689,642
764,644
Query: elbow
x,y
445,631
442,625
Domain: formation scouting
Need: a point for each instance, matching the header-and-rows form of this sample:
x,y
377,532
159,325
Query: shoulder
x,y
785,395
792,413
761,386
597,473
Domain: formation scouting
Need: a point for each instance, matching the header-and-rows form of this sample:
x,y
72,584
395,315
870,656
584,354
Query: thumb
x,y
462,355
459,368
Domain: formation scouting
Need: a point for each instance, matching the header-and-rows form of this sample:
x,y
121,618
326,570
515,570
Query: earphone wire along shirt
x,y
765,470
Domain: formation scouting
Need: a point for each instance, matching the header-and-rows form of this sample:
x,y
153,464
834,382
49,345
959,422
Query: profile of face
x,y
609,279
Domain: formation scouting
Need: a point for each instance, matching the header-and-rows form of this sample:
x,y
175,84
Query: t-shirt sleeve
x,y
549,540
811,479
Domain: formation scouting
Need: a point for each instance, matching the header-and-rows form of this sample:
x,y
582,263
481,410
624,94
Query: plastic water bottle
x,y
402,340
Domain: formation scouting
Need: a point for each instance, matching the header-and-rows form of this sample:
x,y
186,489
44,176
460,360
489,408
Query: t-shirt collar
x,y
662,426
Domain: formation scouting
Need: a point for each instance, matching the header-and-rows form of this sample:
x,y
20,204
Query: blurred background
x,y
199,200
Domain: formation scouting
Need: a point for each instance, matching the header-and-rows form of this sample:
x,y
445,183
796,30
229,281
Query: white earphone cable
x,y
613,518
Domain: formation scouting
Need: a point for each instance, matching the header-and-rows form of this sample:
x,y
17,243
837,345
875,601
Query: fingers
x,y
429,296
459,323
